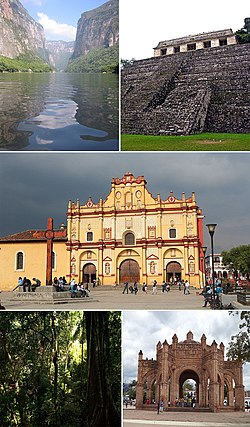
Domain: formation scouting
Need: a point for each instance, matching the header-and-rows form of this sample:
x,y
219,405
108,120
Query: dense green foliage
x,y
24,63
99,60
127,62
243,35
239,347
237,259
130,390
200,142
45,367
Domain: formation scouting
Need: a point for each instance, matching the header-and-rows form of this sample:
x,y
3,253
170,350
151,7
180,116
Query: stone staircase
x,y
187,409
186,93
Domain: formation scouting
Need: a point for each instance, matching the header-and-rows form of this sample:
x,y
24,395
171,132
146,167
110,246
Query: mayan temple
x,y
193,84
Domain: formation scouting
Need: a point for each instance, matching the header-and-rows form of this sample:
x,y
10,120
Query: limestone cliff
x,y
19,32
97,28
59,53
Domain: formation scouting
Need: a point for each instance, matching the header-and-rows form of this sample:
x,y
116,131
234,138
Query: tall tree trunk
x,y
55,363
83,411
101,408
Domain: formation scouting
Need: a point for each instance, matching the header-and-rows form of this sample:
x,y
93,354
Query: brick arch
x,y
149,376
149,379
186,375
190,359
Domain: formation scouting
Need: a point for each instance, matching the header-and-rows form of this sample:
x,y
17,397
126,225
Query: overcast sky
x,y
35,186
145,23
143,329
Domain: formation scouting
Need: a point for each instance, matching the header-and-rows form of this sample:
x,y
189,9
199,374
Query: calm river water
x,y
59,111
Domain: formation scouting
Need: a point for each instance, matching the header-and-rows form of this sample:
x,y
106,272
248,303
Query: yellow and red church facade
x,y
129,236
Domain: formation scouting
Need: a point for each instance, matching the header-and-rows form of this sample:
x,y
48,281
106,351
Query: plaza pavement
x,y
136,418
112,298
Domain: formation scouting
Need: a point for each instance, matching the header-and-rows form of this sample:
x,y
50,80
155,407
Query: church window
x,y
191,46
107,233
129,239
151,232
53,260
207,44
177,49
172,233
19,261
128,198
89,236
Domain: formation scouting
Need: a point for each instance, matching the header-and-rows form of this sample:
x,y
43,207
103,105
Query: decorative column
x,y
144,263
139,386
214,385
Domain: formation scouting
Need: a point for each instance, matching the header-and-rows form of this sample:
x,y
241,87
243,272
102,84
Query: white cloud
x,y
55,30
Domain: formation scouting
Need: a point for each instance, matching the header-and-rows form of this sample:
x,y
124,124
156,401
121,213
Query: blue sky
x,y
59,17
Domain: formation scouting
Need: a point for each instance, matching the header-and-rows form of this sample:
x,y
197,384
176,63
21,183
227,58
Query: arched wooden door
x,y
89,273
173,270
129,271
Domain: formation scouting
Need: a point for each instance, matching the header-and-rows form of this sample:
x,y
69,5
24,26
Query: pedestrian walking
x,y
219,292
125,288
135,288
163,287
186,288
154,289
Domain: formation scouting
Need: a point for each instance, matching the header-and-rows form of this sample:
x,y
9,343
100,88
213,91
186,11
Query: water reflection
x,y
58,112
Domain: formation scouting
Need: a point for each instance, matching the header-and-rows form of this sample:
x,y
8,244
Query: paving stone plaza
x,y
112,298
135,418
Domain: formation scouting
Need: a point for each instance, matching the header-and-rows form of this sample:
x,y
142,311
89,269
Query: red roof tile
x,y
29,235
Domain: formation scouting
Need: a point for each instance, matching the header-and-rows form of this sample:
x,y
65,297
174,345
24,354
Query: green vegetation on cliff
x,y
24,63
99,60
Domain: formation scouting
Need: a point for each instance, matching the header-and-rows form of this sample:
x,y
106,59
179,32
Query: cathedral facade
x,y
129,236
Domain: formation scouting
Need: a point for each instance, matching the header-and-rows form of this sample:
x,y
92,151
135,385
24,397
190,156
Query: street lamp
x,y
204,249
211,230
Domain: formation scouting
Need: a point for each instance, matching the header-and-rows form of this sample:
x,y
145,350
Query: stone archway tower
x,y
190,359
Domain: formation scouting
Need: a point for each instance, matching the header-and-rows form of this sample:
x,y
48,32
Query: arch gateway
x,y
218,382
